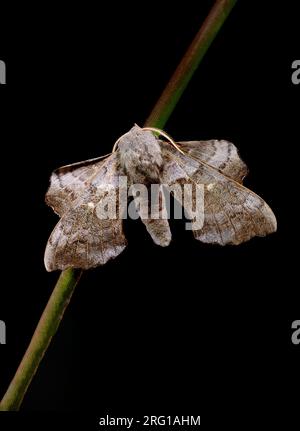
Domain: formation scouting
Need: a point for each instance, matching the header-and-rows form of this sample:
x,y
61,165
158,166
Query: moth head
x,y
139,147
132,138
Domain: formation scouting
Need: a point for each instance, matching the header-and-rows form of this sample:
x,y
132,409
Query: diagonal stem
x,y
41,339
189,63
69,278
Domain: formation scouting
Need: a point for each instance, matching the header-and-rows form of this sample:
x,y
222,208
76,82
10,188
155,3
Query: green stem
x,y
189,63
41,339
68,279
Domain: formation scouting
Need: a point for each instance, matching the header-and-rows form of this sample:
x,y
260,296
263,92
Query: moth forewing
x,y
232,213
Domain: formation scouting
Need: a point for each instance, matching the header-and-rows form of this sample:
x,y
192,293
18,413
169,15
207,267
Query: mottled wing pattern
x,y
232,213
68,182
81,239
222,155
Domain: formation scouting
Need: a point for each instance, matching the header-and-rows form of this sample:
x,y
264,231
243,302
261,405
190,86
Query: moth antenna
x,y
164,134
105,155
115,147
151,129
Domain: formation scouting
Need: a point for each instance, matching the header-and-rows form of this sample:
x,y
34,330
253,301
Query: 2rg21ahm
x,y
172,420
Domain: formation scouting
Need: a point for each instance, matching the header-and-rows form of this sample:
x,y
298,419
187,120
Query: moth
x,y
233,214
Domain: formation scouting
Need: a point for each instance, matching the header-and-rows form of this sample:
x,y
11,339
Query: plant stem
x,y
189,63
41,339
68,279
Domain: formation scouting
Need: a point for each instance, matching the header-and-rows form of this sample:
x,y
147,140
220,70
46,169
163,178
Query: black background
x,y
190,329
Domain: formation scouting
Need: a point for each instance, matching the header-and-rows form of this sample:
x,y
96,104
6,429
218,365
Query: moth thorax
x,y
140,156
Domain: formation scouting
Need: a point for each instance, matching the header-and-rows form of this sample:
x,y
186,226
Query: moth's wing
x,y
68,182
82,239
232,213
222,155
